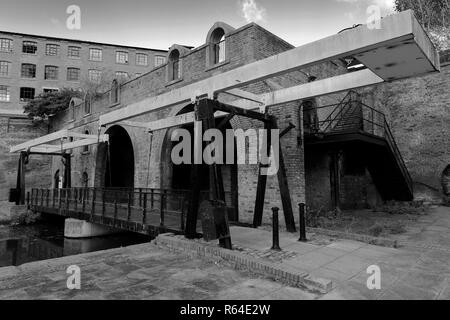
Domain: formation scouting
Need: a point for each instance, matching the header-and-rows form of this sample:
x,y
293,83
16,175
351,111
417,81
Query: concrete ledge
x,y
385,242
74,228
282,273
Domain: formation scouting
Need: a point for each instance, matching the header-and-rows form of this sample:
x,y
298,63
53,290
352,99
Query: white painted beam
x,y
41,140
245,95
304,91
395,30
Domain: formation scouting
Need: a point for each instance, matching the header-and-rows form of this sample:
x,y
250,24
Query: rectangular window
x,y
29,47
159,60
4,94
4,68
95,54
73,52
28,70
26,94
73,74
121,75
122,57
52,50
5,45
95,76
51,73
49,90
141,59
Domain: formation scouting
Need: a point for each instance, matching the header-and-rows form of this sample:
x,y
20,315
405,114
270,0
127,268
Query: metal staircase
x,y
352,122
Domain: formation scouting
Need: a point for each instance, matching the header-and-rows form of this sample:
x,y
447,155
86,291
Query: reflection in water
x,y
22,244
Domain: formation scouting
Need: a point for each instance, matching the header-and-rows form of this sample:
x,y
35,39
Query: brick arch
x,y
227,29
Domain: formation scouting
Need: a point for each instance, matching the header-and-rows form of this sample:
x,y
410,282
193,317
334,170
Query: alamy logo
x,y
374,17
73,22
374,280
74,280
251,147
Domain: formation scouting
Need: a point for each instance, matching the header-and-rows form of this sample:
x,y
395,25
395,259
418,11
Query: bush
x,y
396,228
48,104
376,230
397,207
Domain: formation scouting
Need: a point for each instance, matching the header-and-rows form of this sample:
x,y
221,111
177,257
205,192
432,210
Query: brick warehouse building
x,y
31,65
315,175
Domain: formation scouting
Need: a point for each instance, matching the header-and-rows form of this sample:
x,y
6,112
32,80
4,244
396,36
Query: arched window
x,y
115,92
86,148
174,65
85,180
217,40
57,180
87,104
217,46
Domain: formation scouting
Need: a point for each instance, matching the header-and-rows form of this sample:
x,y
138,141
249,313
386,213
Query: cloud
x,y
252,11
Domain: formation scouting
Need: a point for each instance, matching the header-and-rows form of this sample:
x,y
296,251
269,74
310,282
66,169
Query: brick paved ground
x,y
139,272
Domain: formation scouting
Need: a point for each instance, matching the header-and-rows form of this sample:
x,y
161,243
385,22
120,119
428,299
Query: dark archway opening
x,y
178,177
120,162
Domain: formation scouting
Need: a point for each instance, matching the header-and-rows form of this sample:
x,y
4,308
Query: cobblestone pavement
x,y
139,272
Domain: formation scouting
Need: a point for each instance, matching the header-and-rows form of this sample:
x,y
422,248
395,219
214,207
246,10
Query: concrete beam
x,y
38,141
304,91
244,95
395,30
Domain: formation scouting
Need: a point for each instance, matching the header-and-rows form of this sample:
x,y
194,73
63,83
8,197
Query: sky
x,y
159,24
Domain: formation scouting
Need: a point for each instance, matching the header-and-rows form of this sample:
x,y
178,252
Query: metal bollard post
x,y
275,230
301,207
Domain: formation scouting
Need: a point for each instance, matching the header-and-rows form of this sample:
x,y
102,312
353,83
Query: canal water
x,y
20,244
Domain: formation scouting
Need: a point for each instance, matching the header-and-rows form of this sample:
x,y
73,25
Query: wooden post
x,y
162,206
103,202
284,188
144,209
48,197
152,198
67,182
129,206
75,205
83,195
140,196
28,200
66,198
262,181
94,195
59,199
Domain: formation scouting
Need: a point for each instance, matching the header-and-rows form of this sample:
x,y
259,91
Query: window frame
x,y
70,70
10,45
26,99
57,49
56,68
70,50
122,54
91,55
99,74
22,70
164,61
140,54
29,43
8,66
7,94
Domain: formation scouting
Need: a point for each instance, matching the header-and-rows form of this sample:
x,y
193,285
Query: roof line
x,y
77,40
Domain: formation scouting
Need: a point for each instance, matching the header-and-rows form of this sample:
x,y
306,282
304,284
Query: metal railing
x,y
165,207
351,116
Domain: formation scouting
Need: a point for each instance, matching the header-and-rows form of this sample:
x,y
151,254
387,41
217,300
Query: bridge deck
x,y
147,211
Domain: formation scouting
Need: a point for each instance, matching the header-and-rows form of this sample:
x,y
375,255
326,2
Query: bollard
x,y
301,207
275,230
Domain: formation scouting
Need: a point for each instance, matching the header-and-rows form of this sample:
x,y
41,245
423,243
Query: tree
x,y
434,15
48,104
